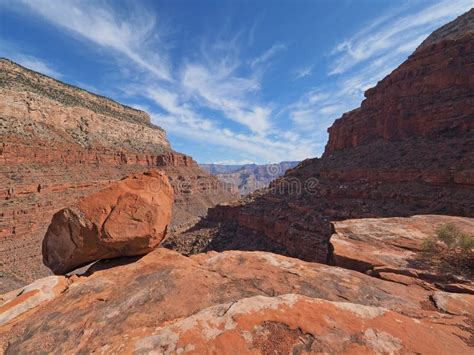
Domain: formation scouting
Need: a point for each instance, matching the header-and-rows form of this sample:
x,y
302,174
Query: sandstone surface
x,y
128,218
242,302
59,143
392,249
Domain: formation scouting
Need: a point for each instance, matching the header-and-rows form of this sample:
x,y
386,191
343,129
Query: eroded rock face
x,y
430,95
239,302
128,218
407,150
391,249
392,242
60,143
298,324
195,190
16,304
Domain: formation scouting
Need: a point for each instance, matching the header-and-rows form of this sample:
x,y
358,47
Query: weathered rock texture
x,y
392,249
238,302
249,177
407,150
128,218
59,143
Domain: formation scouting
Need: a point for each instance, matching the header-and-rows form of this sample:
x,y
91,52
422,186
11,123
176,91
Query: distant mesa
x,y
248,178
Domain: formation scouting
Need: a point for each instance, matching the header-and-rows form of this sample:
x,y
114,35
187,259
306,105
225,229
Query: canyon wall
x,y
407,150
60,143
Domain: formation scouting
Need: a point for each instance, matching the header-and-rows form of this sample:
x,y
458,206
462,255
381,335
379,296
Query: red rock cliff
x,y
407,150
430,95
59,143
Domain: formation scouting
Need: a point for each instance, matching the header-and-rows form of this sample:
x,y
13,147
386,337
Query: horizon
x,y
234,87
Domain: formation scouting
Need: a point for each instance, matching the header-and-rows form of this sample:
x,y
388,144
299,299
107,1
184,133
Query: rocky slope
x,y
391,302
407,150
250,177
59,143
231,302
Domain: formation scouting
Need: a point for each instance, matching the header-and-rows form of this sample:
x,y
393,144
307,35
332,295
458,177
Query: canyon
x,y
329,258
60,143
407,150
248,178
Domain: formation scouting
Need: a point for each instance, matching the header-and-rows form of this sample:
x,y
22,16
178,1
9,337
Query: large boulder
x,y
128,218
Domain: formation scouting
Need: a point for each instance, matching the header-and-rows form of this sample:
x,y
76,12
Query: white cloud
x,y
254,147
303,72
391,33
363,60
267,55
215,96
220,89
36,64
101,24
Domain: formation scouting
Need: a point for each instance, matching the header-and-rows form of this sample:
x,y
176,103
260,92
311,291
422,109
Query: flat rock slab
x,y
17,303
166,301
362,244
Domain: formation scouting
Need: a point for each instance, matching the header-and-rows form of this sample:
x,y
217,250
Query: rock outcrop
x,y
407,150
60,143
392,249
238,302
128,218
249,177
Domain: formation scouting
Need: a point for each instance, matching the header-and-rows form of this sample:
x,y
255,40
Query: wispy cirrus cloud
x,y
22,57
388,33
303,72
37,64
211,82
359,62
216,93
101,24
267,55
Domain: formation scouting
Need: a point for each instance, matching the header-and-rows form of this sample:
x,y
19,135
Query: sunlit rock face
x,y
407,150
232,302
60,143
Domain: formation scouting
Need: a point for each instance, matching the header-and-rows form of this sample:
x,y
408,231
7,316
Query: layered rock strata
x,y
59,143
393,249
249,177
407,150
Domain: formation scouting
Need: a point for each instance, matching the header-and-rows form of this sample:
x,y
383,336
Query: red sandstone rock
x,y
128,218
293,324
16,304
407,150
439,75
239,302
60,143
363,244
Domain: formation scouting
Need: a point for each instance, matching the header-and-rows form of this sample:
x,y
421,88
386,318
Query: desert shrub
x,y
449,235
466,242
429,245
450,249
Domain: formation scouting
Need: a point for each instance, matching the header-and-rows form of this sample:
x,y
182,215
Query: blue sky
x,y
230,81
